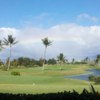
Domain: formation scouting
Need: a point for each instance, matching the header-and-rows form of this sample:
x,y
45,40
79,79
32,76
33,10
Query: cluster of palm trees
x,y
61,58
9,41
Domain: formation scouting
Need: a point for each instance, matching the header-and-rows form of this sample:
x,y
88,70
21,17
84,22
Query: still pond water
x,y
85,76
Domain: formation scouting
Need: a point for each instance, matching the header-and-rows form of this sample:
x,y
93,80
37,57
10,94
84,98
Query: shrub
x,y
97,80
92,78
15,73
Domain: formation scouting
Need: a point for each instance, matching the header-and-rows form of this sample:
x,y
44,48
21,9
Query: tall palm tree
x,y
10,41
46,43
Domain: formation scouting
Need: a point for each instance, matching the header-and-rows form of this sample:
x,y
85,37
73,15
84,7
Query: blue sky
x,y
15,12
73,25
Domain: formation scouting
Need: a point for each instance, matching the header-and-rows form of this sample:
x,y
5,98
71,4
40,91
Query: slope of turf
x,y
36,80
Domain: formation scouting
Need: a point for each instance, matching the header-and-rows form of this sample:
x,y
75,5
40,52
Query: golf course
x,y
50,80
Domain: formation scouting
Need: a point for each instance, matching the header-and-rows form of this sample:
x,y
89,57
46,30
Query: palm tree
x,y
1,45
73,61
61,59
10,41
46,43
97,61
86,60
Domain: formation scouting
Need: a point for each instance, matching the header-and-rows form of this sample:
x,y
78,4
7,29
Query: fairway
x,y
35,80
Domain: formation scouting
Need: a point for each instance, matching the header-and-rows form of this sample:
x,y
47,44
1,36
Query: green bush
x,y
97,80
92,78
15,73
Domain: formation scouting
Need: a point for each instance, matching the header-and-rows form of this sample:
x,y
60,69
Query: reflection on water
x,y
85,76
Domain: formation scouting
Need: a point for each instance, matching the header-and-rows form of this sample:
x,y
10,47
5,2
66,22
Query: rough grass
x,y
36,80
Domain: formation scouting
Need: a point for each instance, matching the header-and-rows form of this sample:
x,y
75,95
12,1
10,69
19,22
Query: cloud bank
x,y
74,40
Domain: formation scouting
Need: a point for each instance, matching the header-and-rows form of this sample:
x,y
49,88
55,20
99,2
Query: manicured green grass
x,y
12,88
36,80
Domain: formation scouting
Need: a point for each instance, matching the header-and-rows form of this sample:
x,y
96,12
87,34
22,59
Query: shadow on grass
x,y
85,95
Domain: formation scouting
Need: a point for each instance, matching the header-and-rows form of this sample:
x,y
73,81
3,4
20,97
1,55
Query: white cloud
x,y
5,31
85,16
41,16
71,39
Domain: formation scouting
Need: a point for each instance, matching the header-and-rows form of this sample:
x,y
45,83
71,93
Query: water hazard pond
x,y
85,76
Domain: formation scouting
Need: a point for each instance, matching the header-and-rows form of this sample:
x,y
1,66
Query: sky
x,y
72,25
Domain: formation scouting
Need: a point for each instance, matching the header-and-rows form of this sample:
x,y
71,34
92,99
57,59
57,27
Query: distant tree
x,y
46,42
97,61
73,61
86,60
1,45
1,63
14,63
66,61
10,41
52,61
32,62
26,62
40,62
61,58
20,61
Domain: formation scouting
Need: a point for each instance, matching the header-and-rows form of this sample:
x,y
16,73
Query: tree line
x,y
29,62
60,59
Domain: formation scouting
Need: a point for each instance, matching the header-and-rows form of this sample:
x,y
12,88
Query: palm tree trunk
x,y
44,57
9,59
